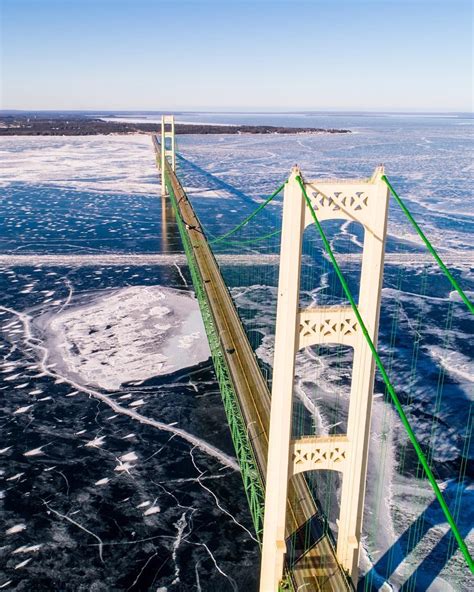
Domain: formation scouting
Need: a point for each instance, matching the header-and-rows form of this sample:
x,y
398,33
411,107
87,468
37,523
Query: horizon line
x,y
230,110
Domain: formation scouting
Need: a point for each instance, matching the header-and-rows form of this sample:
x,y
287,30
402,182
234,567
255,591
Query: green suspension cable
x,y
257,239
388,384
429,246
248,218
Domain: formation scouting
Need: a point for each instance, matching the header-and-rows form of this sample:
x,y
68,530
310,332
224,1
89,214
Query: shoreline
x,y
85,126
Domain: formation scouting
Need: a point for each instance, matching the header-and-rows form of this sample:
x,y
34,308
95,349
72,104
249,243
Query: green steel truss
x,y
251,477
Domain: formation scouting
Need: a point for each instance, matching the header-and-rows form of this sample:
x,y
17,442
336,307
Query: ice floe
x,y
126,335
15,477
15,529
123,467
34,452
24,409
23,563
137,403
152,510
96,442
130,456
103,481
27,549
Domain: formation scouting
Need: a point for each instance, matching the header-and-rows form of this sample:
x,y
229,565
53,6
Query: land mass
x,y
28,125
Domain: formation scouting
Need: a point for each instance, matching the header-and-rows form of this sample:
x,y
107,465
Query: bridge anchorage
x,y
298,551
365,202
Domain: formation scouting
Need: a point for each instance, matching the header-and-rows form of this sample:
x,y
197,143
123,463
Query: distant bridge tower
x,y
167,149
365,202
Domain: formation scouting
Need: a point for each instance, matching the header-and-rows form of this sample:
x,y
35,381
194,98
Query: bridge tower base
x,y
364,201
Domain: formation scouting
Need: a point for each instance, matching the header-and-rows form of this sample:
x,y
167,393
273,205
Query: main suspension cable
x,y
250,216
429,246
257,239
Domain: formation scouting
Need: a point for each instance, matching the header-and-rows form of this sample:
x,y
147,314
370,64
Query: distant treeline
x,y
22,125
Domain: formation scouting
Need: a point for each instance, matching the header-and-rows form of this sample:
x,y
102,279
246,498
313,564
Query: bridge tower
x,y
167,150
366,202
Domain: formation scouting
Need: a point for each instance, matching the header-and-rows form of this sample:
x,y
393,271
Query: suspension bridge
x,y
299,551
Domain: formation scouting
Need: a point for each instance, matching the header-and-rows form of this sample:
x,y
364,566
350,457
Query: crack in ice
x,y
211,555
101,544
201,473
212,451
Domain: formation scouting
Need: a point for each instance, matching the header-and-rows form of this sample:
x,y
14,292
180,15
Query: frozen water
x,y
65,199
126,335
120,164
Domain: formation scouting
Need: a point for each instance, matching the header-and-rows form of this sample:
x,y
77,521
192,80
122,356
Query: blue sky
x,y
262,55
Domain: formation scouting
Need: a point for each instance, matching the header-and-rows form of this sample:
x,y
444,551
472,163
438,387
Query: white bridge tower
x,y
167,132
366,202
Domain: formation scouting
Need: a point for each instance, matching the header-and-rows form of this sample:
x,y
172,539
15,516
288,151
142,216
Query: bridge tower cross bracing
x,y
366,202
168,150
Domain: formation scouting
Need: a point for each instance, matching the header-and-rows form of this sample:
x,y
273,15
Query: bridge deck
x,y
318,569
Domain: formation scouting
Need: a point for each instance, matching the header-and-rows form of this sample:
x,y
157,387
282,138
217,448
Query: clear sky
x,y
231,54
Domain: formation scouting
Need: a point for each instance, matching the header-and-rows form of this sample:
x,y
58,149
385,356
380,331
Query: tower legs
x,y
276,485
167,153
366,202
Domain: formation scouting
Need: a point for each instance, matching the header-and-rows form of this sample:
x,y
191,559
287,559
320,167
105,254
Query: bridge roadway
x,y
318,569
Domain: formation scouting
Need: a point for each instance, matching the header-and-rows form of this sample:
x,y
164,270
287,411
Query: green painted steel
x,y
251,477
248,218
388,384
257,239
429,246
286,584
